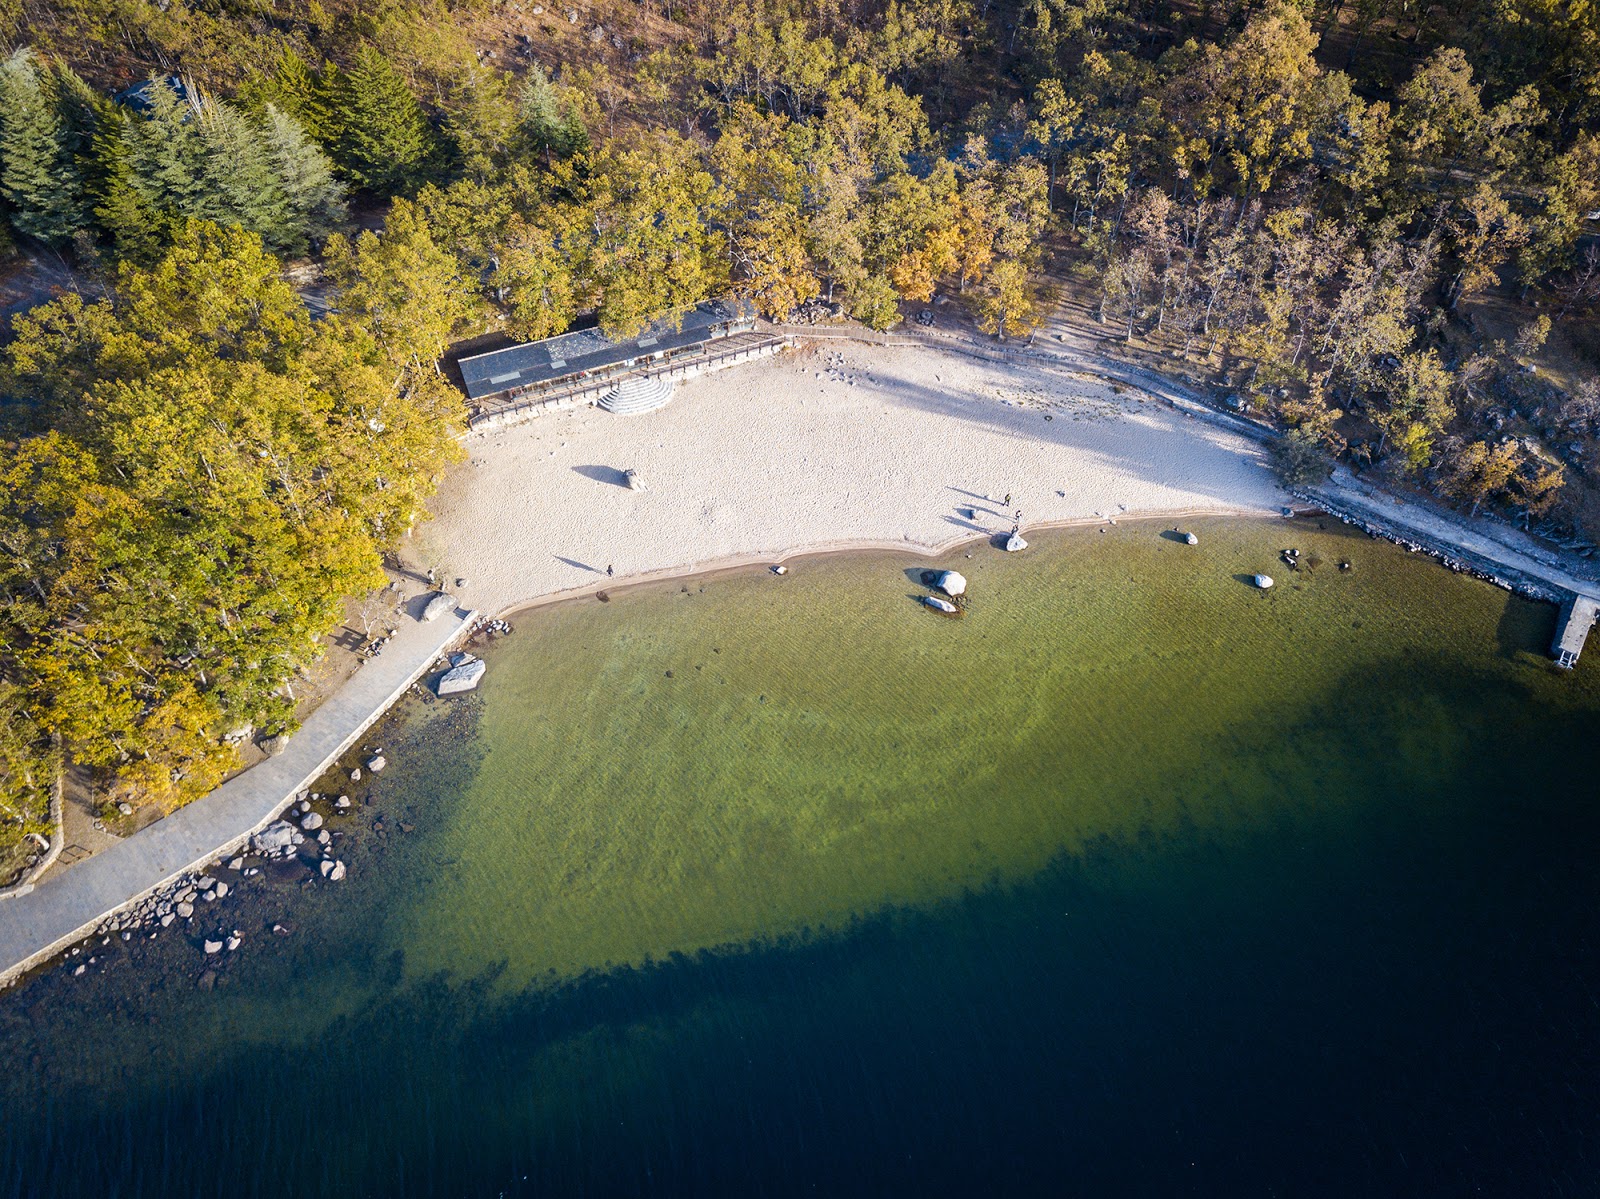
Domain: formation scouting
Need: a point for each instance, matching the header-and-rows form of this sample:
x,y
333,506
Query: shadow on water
x,y
1526,627
1382,990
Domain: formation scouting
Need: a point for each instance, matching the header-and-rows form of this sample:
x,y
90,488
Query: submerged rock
x,y
376,763
213,946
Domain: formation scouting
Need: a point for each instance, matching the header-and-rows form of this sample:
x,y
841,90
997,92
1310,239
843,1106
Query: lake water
x,y
1135,880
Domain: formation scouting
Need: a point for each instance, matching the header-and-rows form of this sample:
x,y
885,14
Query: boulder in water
x,y
951,582
939,604
1014,543
462,678
1190,539
1263,581
311,822
274,837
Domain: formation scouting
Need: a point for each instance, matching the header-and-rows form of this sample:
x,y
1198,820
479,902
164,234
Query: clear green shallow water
x,y
1135,878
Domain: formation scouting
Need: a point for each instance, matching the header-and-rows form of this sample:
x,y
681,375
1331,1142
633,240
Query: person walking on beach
x,y
1008,499
609,571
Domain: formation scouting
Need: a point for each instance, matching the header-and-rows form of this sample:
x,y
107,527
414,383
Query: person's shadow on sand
x,y
579,565
603,474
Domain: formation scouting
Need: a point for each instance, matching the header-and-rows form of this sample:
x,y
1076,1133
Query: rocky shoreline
x,y
1458,560
305,847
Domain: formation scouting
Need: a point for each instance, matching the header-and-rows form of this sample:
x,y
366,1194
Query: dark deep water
x,y
1351,948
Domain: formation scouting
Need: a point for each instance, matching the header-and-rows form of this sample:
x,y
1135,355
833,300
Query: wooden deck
x,y
1577,618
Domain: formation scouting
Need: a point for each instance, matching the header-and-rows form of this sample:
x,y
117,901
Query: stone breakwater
x,y
1454,558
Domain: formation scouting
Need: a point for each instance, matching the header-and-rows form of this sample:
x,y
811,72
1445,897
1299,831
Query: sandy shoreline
x,y
762,563
821,450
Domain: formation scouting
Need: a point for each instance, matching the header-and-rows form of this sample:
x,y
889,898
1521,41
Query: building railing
x,y
591,390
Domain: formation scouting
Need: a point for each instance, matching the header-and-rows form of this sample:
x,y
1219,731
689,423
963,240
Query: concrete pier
x,y
1577,618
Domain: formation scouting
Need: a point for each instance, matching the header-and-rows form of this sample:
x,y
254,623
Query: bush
x,y
1298,460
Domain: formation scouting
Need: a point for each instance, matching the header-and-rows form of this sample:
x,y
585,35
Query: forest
x,y
1374,224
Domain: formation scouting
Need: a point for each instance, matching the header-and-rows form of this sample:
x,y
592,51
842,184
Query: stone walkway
x,y
66,906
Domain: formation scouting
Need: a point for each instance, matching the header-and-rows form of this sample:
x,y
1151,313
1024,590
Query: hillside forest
x,y
1373,224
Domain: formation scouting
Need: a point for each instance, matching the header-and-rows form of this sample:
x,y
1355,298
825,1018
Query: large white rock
x,y
462,678
311,822
441,604
376,763
1015,543
275,836
333,871
941,605
1263,581
951,582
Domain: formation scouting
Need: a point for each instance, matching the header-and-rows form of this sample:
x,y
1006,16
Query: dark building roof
x,y
137,97
589,350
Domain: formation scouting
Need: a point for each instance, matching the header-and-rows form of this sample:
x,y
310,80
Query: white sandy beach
x,y
825,447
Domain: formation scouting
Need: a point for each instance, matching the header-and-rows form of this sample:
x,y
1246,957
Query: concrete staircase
x,y
638,393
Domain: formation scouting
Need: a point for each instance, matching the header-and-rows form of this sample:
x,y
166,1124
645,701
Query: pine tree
x,y
166,154
132,225
242,184
387,145
539,110
315,198
299,91
38,174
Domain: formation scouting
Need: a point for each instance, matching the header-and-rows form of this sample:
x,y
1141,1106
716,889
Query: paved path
x,y
1490,542
66,906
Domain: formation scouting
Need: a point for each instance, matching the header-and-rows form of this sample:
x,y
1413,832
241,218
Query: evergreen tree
x,y
315,198
242,184
386,145
166,154
300,91
549,127
132,224
38,174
